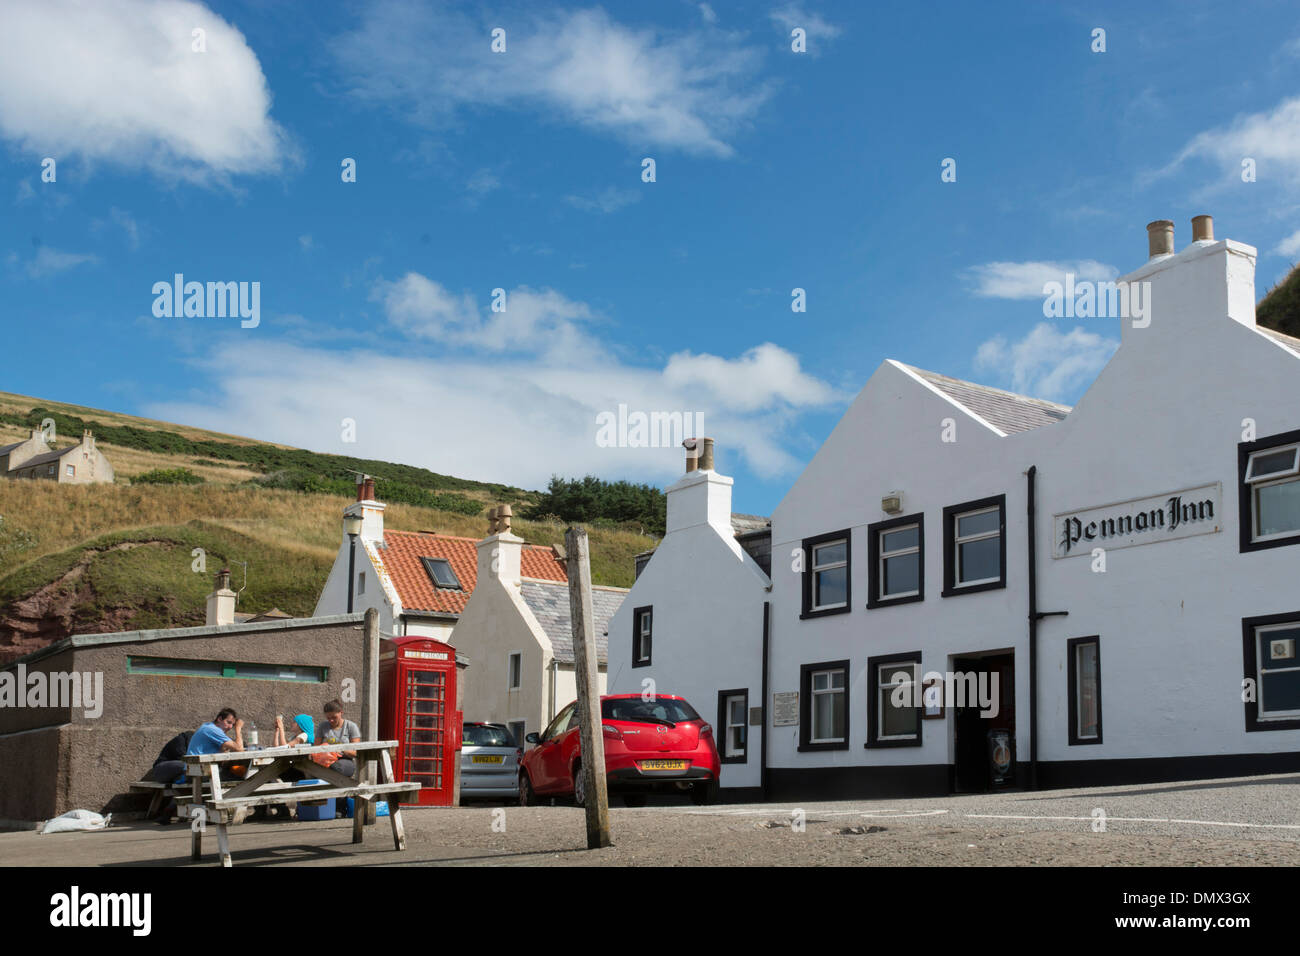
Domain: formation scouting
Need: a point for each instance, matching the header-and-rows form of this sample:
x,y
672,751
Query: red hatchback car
x,y
654,745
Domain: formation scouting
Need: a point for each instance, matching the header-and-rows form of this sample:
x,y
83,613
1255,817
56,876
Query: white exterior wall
x,y
1165,415
707,623
566,685
379,594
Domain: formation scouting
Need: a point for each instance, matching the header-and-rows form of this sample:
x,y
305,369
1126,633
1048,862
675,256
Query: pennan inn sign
x,y
1126,524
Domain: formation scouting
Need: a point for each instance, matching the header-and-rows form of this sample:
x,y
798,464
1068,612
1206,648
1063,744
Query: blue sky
x,y
522,170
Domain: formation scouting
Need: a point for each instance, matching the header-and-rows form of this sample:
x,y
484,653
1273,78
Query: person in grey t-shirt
x,y
336,730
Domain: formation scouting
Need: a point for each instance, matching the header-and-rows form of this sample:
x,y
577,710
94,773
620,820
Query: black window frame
x,y
637,614
874,578
805,707
722,724
873,687
511,657
950,515
809,544
1246,493
1250,664
428,569
1072,690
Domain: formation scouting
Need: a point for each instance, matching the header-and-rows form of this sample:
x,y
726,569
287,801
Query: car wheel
x,y
527,797
705,793
579,786
634,799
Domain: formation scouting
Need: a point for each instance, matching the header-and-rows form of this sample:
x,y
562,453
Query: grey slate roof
x,y
549,602
1290,341
1005,411
6,449
49,456
743,524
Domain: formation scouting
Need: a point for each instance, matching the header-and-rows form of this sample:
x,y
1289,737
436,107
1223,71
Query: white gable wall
x,y
707,596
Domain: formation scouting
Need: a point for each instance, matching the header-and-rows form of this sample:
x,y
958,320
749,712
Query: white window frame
x,y
72,471
900,553
958,540
1077,690
831,566
743,725
1291,474
815,693
515,670
884,688
361,583
1259,672
645,636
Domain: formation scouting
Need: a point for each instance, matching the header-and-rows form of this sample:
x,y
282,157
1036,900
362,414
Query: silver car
x,y
489,763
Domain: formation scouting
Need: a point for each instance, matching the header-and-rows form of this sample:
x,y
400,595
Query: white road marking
x,y
1205,823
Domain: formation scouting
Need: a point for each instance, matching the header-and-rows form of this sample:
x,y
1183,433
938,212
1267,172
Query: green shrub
x,y
167,476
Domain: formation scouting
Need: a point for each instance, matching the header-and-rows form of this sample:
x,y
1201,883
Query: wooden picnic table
x,y
261,787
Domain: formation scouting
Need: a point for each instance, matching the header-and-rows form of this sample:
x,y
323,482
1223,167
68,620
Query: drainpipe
x,y
1035,616
767,632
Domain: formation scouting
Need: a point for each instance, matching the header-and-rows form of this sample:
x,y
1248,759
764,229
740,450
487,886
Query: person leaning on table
x,y
339,731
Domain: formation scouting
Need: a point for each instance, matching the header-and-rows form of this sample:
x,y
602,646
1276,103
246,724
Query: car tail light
x,y
705,729
611,731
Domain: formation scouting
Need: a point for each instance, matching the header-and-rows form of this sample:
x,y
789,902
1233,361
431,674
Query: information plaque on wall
x,y
785,709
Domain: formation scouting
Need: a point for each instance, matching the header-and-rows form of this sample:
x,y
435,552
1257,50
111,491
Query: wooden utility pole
x,y
369,708
586,672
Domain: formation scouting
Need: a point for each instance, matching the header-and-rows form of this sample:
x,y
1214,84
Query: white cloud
x,y
687,91
116,81
25,192
483,182
1024,280
793,15
607,200
513,420
1290,246
306,242
1047,363
48,262
764,376
706,12
533,320
1271,138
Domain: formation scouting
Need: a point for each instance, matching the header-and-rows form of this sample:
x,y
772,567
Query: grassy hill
x,y
1280,307
97,558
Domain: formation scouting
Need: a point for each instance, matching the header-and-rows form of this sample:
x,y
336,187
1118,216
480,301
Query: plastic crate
x,y
314,810
381,808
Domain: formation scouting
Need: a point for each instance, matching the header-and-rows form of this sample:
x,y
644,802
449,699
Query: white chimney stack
x,y
221,602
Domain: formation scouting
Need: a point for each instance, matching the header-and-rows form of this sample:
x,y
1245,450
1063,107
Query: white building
x,y
419,581
693,624
1127,570
517,633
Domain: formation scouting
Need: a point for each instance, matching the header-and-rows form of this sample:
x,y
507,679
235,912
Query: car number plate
x,y
489,758
663,765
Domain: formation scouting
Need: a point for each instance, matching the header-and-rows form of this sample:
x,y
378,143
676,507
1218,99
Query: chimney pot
x,y
706,455
1202,229
692,446
492,521
504,513
1160,238
365,488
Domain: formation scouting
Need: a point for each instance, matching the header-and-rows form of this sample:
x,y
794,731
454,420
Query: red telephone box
x,y
417,708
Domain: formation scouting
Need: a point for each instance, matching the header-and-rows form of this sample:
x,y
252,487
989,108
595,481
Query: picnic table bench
x,y
161,792
223,798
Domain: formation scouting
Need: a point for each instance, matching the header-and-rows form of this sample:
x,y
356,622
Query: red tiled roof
x,y
402,557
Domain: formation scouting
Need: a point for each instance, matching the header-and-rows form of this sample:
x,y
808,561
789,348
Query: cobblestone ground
x,y
1247,821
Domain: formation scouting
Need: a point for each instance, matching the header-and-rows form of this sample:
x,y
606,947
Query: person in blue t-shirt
x,y
213,737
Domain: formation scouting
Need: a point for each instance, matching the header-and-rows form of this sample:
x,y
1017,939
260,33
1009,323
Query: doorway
x,y
984,743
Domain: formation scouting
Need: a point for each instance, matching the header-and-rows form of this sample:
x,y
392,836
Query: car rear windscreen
x,y
661,708
478,735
